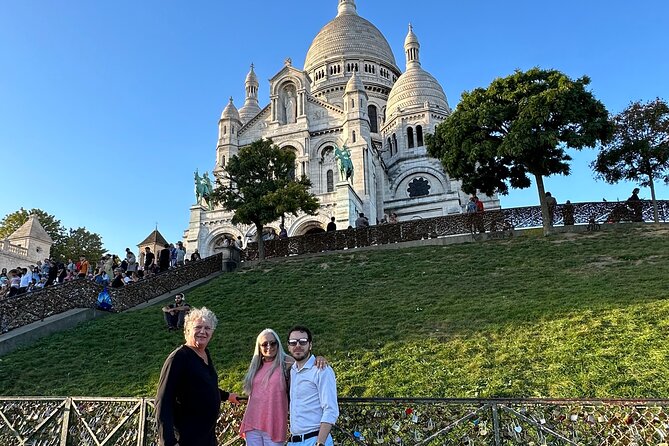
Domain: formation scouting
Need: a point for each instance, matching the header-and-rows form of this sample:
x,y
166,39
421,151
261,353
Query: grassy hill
x,y
572,315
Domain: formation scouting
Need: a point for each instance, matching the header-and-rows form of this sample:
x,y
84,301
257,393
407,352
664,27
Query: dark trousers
x,y
175,320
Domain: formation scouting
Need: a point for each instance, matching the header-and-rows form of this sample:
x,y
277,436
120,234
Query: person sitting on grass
x,y
175,313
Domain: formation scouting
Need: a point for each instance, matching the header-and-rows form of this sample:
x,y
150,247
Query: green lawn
x,y
564,316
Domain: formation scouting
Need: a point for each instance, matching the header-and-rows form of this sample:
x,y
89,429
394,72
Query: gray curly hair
x,y
203,313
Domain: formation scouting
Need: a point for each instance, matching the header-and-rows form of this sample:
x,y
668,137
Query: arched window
x,y
330,180
225,129
390,147
373,119
419,135
394,143
352,103
223,161
410,137
353,135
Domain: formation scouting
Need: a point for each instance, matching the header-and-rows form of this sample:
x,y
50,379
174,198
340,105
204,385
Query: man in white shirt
x,y
313,394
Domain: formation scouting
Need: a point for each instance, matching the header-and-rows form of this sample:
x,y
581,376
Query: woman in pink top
x,y
265,421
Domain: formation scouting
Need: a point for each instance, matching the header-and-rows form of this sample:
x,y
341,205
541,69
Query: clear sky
x,y
107,108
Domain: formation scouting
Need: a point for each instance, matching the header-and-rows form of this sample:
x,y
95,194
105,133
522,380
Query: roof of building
x,y
251,77
230,111
348,36
415,87
32,228
354,84
154,238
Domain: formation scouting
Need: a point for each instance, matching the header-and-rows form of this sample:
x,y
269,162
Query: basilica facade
x,y
352,93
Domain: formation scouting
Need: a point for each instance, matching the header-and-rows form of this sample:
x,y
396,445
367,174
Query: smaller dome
x,y
251,78
249,110
354,84
415,88
230,111
411,38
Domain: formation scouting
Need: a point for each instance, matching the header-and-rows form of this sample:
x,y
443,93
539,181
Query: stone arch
x,y
306,224
326,162
215,237
290,79
436,177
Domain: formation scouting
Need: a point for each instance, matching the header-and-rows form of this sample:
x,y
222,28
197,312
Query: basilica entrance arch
x,y
307,226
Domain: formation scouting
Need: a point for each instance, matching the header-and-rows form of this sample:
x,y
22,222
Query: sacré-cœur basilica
x,y
350,93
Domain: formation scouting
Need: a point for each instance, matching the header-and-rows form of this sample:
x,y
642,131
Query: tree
x,y
259,186
66,244
639,149
78,242
51,224
519,126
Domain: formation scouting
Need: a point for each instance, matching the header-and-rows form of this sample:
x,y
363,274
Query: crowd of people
x,y
110,270
188,400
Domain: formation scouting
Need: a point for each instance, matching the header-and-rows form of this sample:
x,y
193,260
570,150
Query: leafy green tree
x,y
639,149
51,224
79,242
519,127
259,186
66,244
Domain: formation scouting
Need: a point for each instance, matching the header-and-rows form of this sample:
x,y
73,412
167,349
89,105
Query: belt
x,y
301,438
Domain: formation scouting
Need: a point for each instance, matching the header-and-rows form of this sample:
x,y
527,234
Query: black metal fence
x,y
25,309
403,422
595,213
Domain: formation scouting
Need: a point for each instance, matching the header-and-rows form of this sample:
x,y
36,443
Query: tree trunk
x,y
544,206
651,181
261,242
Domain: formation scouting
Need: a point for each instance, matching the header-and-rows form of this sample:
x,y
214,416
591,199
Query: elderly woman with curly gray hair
x,y
188,401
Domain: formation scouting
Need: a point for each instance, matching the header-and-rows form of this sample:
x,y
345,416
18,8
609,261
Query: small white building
x,y
350,91
26,246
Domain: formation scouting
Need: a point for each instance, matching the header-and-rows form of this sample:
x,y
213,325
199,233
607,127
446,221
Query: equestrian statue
x,y
344,162
203,189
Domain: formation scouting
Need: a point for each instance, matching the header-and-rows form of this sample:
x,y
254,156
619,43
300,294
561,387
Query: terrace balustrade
x,y
496,221
90,421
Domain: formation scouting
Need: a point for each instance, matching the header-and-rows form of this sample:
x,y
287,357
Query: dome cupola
x,y
349,43
416,87
230,111
250,108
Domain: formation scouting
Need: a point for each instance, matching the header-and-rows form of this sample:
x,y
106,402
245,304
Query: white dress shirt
x,y
313,397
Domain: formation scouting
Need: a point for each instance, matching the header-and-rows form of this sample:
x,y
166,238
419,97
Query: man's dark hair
x,y
300,328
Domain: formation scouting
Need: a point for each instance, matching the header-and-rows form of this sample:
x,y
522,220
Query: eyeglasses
x,y
294,342
269,344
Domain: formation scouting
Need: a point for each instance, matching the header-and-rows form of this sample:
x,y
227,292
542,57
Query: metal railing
x,y
25,309
498,220
85,421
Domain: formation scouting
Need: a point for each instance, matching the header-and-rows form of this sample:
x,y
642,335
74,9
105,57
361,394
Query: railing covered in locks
x,y
27,308
88,421
497,220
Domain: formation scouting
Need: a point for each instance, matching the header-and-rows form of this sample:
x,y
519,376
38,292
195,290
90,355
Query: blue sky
x,y
107,108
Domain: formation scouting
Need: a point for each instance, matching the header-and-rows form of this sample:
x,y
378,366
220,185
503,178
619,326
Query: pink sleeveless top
x,y
267,408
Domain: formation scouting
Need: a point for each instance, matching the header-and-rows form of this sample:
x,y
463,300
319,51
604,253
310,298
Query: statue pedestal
x,y
348,205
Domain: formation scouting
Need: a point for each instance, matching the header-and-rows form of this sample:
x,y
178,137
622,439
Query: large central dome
x,y
349,36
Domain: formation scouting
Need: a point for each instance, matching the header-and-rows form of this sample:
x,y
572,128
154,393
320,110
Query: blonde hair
x,y
257,361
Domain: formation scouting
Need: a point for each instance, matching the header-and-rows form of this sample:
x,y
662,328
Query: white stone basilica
x,y
350,92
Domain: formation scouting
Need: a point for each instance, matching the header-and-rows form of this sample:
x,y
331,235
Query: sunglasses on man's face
x,y
294,342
